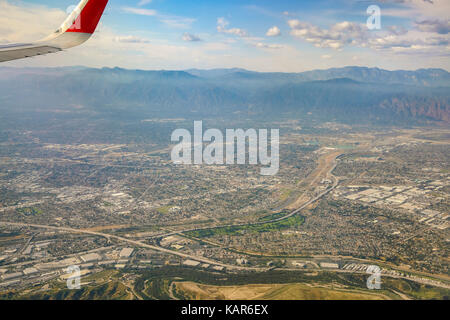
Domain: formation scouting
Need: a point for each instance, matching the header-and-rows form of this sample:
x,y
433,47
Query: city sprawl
x,y
345,198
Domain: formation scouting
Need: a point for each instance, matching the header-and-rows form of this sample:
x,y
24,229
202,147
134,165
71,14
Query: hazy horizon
x,y
267,37
222,68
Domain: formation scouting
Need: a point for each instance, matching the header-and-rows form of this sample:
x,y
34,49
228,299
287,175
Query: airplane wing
x,y
75,30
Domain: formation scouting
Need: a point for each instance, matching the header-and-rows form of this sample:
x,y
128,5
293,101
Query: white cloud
x,y
435,26
222,25
273,32
412,43
169,20
22,24
346,34
177,22
268,46
397,30
392,49
131,39
140,11
144,2
190,37
339,35
420,9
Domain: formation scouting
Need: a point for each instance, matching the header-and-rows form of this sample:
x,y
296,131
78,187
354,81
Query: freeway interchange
x,y
179,232
324,170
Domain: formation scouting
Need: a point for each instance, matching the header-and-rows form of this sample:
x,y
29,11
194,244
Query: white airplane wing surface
x,y
76,29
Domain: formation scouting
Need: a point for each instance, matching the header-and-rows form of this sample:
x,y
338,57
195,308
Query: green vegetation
x,y
164,210
417,290
284,284
108,291
285,194
155,289
274,216
345,147
30,211
105,285
290,222
155,283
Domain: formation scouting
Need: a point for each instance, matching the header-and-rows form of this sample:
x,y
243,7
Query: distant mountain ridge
x,y
350,94
426,77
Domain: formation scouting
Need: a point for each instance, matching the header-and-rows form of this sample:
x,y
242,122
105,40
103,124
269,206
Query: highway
x,y
212,262
205,260
296,211
176,253
131,242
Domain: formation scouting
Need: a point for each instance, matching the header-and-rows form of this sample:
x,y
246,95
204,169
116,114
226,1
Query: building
x,y
29,271
329,265
126,252
90,257
191,263
10,276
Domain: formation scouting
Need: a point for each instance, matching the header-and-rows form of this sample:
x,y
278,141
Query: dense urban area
x,y
140,227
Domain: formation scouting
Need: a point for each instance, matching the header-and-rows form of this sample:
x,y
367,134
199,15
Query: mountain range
x,y
349,94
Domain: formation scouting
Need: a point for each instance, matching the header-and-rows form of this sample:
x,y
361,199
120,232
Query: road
x,y
176,253
294,212
133,243
383,275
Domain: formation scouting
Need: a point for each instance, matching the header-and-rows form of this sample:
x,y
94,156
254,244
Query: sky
x,y
260,35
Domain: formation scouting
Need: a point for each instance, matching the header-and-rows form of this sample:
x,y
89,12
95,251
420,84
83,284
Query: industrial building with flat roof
x,y
126,252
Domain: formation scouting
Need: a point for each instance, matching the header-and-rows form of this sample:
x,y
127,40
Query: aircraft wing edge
x,y
15,52
75,30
